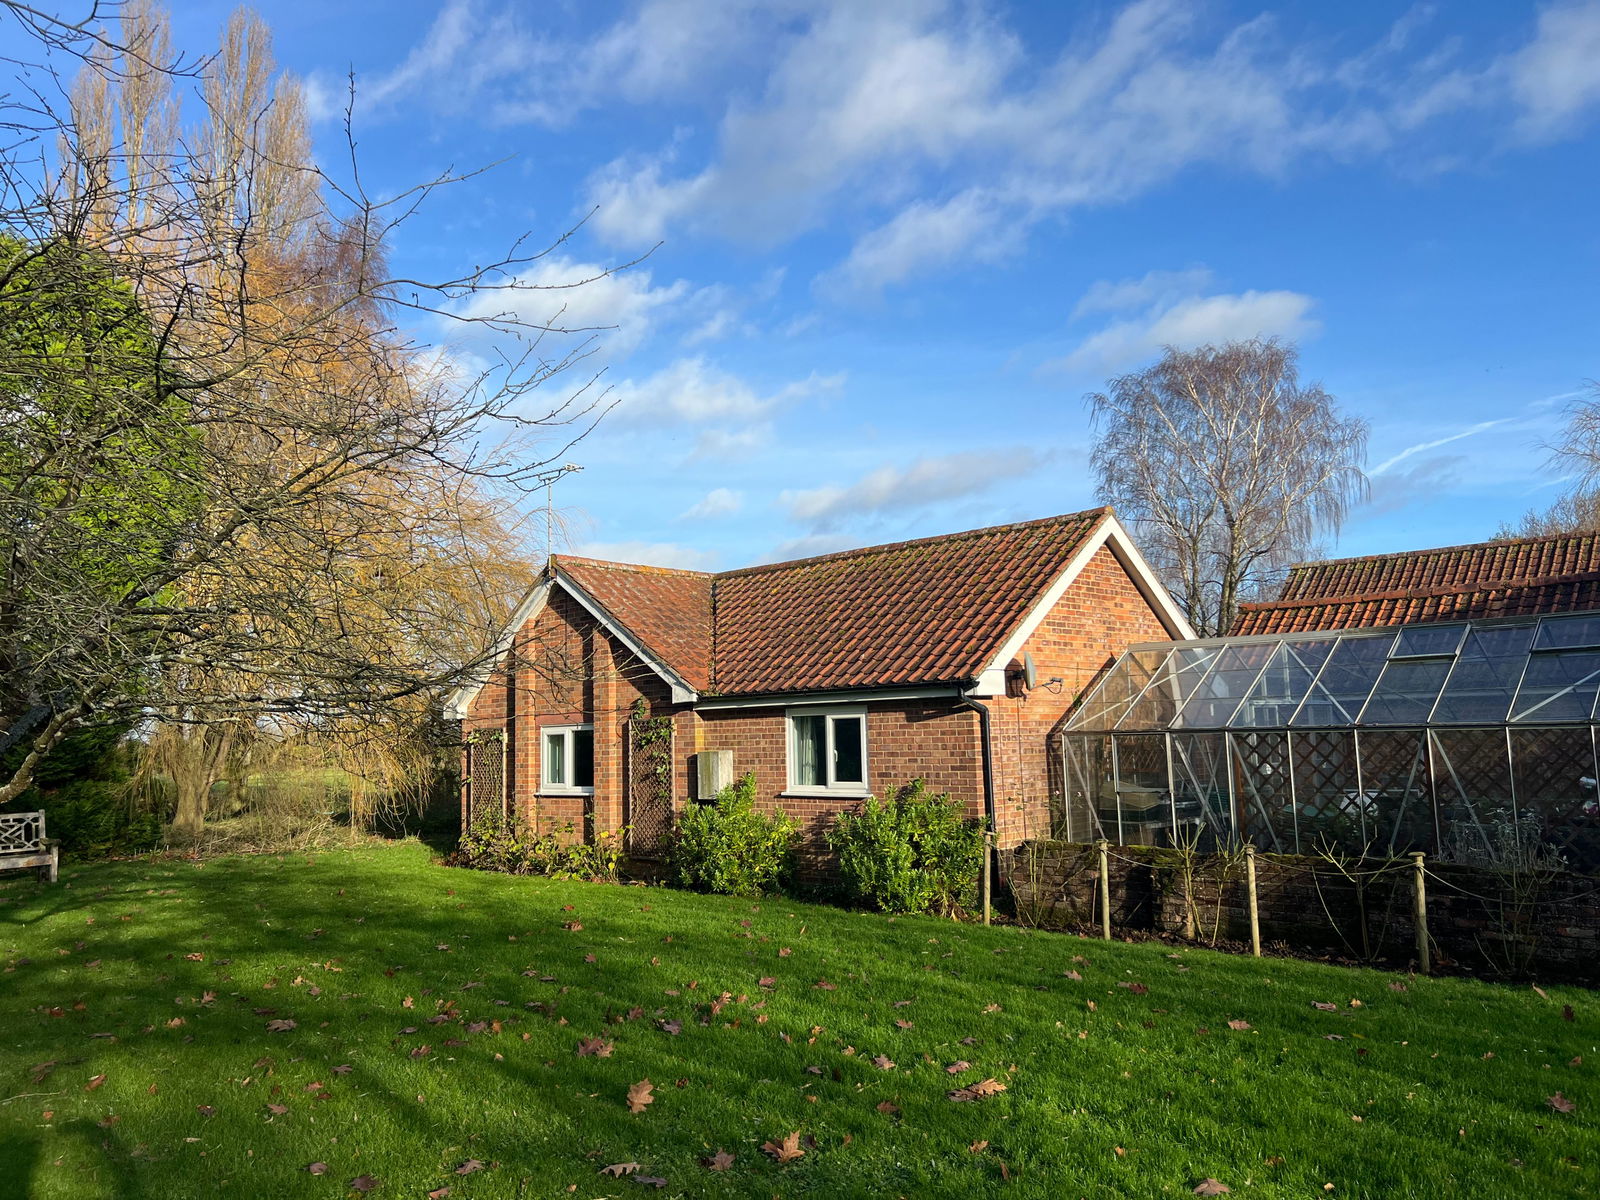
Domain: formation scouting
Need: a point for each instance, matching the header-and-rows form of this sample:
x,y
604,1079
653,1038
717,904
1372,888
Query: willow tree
x,y
1228,467
334,501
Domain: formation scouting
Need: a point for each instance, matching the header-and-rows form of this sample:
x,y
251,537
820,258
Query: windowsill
x,y
804,793
555,791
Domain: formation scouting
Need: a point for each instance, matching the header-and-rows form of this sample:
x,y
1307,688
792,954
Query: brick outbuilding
x,y
624,692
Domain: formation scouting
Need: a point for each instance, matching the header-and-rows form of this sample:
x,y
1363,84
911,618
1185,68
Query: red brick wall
x,y
565,669
934,740
1101,614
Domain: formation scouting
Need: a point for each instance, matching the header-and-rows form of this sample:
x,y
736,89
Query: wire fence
x,y
1405,910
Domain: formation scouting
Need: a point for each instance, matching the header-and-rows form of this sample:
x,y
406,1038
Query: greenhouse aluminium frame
x,y
1472,741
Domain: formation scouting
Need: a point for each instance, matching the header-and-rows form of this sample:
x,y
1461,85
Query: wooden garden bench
x,y
23,844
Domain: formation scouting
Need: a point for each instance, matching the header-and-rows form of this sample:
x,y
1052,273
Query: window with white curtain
x,y
828,750
568,753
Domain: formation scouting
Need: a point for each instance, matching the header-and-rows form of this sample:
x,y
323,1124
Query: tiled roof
x,y
1510,578
668,611
935,610
929,611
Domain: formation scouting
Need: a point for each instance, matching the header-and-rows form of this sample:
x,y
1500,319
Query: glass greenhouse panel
x,y
1428,641
1086,775
1484,681
1202,806
1395,786
1182,672
1263,793
1558,686
1345,681
1569,633
1111,698
1406,691
1472,787
1558,819
1215,699
1330,812
1284,683
1143,812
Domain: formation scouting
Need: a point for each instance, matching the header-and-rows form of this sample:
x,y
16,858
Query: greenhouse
x,y
1473,742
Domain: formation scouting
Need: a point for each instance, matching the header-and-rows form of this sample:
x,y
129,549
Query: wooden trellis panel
x,y
650,759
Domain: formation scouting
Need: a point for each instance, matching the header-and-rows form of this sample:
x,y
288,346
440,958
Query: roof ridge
x,y
1392,554
612,564
1102,511
1464,589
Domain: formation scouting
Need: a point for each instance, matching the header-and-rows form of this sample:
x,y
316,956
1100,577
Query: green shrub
x,y
729,847
912,853
500,843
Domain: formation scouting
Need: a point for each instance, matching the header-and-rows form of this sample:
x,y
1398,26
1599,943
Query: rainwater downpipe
x,y
987,751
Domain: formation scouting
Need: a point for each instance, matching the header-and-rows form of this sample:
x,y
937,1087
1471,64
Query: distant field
x,y
438,1015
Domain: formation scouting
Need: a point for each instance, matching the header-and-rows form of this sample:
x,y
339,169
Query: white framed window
x,y
566,755
828,750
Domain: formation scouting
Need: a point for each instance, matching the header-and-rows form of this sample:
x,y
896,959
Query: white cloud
x,y
689,390
1556,77
1155,287
1173,316
718,502
651,554
618,308
731,443
924,481
972,226
882,107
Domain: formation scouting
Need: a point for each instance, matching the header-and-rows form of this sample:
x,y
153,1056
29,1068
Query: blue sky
x,y
900,241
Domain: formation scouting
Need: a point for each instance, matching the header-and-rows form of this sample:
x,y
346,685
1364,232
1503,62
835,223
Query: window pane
x,y
1428,639
1183,670
555,758
1484,679
1214,701
1472,780
583,758
1558,815
1283,684
1560,633
1395,790
1342,688
1406,691
847,750
810,750
1558,687
1105,705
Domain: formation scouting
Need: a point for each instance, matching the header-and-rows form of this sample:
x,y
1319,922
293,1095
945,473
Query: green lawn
x,y
437,1015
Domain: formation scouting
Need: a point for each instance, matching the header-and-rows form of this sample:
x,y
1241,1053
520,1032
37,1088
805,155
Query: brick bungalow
x,y
830,678
1513,577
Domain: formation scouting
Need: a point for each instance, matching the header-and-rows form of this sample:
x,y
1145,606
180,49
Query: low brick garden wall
x,y
1482,922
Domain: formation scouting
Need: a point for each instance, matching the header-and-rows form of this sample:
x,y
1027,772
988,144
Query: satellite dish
x,y
1030,673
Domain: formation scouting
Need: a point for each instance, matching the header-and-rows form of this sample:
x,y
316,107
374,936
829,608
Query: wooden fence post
x,y
1105,888
1420,896
988,860
1250,889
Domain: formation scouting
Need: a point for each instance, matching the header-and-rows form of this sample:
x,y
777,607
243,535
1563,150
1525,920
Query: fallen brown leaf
x,y
787,1150
720,1161
1211,1187
640,1094
618,1170
1561,1104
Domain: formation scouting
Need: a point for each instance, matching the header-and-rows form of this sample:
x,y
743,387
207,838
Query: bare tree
x,y
1576,455
1228,467
237,492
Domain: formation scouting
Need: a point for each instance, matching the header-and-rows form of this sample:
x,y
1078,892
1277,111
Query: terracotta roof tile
x,y
668,611
1515,577
920,612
